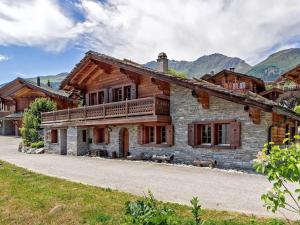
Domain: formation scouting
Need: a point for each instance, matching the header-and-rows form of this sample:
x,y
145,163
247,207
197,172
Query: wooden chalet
x,y
236,81
16,96
133,110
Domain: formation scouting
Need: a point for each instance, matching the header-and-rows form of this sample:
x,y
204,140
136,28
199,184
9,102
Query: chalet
x,y
17,95
132,110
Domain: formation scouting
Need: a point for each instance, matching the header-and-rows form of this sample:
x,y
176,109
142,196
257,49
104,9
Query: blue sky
x,y
46,37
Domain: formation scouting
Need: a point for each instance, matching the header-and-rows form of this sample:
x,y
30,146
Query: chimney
x,y
162,62
38,81
212,72
48,83
232,69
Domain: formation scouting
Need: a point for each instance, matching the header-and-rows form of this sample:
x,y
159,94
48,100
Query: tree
x,y
297,109
32,120
282,168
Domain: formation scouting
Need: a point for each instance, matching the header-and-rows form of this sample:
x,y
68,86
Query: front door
x,y
124,142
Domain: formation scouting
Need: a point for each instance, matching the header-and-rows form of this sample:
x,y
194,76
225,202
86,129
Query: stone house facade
x,y
192,120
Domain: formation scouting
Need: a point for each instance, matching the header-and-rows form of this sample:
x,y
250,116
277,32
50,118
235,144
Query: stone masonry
x,y
185,109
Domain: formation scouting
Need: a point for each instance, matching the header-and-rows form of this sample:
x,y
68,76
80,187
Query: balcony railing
x,y
5,113
130,108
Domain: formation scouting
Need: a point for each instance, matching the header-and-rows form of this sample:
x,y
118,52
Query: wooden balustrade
x,y
130,108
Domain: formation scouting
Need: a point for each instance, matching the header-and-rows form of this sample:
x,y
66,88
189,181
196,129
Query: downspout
x,y
269,138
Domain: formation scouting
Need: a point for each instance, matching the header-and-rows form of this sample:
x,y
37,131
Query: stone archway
x,y
124,142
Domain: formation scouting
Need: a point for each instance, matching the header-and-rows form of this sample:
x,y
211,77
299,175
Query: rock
x,y
39,151
56,209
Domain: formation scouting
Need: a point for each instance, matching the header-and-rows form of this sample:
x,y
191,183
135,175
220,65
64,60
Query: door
x,y
125,142
63,141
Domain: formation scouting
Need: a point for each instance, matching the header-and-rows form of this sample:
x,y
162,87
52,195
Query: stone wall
x,y
7,128
54,148
185,109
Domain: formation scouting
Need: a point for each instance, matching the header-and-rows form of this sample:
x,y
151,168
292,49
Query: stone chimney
x,y
38,81
232,69
162,62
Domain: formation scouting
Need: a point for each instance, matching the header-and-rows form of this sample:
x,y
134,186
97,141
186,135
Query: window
x,y
151,134
242,85
163,134
54,136
223,134
99,135
84,136
93,98
127,92
117,94
205,134
101,97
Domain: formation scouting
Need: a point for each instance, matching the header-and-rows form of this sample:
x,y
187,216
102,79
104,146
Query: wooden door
x,y
125,142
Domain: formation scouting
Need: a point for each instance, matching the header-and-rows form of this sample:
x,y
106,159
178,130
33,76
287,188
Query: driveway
x,y
217,189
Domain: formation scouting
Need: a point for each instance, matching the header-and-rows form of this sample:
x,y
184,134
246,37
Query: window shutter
x,y
191,134
110,95
235,134
140,135
95,135
106,135
133,91
48,136
158,135
170,134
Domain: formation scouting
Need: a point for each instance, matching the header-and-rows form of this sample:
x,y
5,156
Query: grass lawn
x,y
27,198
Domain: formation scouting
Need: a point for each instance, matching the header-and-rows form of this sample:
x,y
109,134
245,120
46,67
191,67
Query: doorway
x,y
63,141
124,143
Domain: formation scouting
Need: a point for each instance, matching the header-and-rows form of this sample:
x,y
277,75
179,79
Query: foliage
x,y
196,210
148,212
282,168
297,109
176,73
31,130
38,144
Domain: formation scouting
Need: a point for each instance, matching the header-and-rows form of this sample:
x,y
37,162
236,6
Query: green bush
x,y
178,74
32,120
281,167
38,144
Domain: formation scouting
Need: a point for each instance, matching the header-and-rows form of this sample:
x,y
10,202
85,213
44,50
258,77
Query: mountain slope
x,y
206,64
276,64
55,80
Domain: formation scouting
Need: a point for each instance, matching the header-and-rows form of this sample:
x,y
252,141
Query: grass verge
x,y
27,198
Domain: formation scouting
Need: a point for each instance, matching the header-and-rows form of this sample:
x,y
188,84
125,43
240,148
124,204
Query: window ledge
x,y
156,145
214,147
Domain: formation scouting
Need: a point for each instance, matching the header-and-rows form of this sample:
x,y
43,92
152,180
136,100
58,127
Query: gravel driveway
x,y
217,189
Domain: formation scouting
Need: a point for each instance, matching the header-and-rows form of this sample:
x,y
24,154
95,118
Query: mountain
x,y
55,80
206,64
276,64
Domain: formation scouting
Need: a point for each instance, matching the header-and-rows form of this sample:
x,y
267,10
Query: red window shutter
x,y
191,134
235,134
140,135
170,134
106,135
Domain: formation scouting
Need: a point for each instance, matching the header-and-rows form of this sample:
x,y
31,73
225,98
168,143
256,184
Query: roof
x,y
274,89
291,74
33,85
248,98
256,79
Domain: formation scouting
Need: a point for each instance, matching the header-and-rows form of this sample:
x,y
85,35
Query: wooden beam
x,y
86,73
203,98
254,114
134,77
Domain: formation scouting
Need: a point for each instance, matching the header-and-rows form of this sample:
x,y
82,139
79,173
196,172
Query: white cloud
x,y
3,58
189,29
141,29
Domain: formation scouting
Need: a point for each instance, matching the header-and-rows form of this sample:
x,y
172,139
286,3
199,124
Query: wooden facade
x,y
16,96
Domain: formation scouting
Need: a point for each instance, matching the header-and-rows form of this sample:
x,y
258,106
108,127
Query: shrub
x,y
176,73
281,166
38,144
32,120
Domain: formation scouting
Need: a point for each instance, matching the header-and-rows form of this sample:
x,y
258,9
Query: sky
x,y
46,37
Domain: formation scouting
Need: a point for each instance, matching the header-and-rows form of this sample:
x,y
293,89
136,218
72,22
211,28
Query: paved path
x,y
217,189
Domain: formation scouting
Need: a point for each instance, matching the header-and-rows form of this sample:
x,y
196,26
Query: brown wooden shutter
x,y
235,134
133,91
106,135
54,136
170,134
158,135
191,134
140,135
110,95
146,135
95,135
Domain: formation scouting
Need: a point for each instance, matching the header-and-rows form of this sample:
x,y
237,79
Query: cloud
x,y
3,58
139,30
189,29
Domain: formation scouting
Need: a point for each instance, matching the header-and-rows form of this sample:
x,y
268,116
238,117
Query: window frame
x,y
54,132
157,135
214,134
99,140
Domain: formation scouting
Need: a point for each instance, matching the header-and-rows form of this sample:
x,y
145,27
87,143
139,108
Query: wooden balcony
x,y
5,113
152,106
